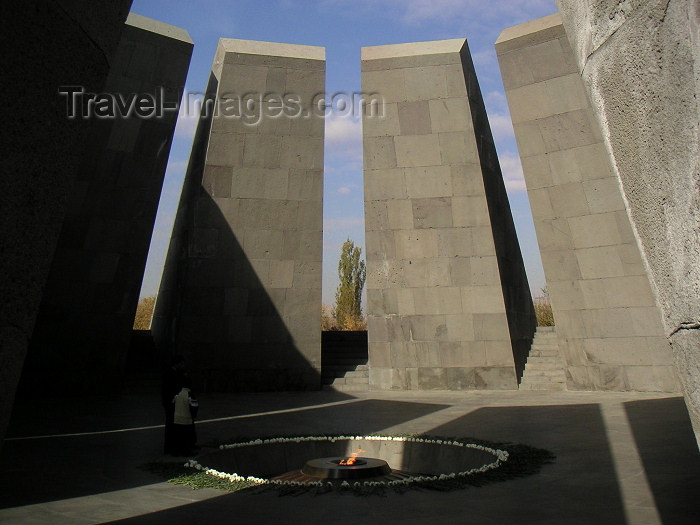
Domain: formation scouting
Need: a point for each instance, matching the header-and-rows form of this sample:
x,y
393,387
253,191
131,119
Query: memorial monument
x,y
608,323
82,333
640,62
448,301
240,297
61,43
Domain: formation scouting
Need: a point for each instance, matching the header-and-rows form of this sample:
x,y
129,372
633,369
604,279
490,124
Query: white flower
x,y
501,456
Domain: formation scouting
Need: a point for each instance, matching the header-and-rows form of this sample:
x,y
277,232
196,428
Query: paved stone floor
x,y
622,458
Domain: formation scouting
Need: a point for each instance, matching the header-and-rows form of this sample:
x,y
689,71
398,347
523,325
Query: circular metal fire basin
x,y
330,468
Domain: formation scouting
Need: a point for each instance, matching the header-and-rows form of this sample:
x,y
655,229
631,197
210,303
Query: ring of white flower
x,y
500,455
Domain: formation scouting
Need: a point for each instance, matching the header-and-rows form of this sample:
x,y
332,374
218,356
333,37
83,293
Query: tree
x,y
348,296
328,319
543,309
144,313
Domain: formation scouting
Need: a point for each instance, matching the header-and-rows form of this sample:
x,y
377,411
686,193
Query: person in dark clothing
x,y
174,379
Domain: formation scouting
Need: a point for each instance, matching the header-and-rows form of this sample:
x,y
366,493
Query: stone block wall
x,y
241,292
44,47
640,62
439,233
608,322
82,334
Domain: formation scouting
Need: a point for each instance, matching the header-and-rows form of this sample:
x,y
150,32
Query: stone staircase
x,y
344,362
544,369
356,380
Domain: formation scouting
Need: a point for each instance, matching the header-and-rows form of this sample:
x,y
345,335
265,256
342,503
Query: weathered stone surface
x,y
249,226
448,301
61,43
609,326
84,325
640,64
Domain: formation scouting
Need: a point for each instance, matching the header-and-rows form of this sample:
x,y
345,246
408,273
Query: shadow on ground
x,y
34,471
579,488
669,455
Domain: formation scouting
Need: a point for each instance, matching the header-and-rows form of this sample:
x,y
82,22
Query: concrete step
x,y
352,377
553,361
552,372
343,361
544,363
561,378
545,379
550,386
546,329
544,369
356,380
538,343
344,368
358,373
537,354
345,355
347,388
345,374
546,337
551,349
545,346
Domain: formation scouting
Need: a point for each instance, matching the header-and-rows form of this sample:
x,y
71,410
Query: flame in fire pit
x,y
352,459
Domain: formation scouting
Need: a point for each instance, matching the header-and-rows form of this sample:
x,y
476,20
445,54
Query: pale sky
x,y
343,27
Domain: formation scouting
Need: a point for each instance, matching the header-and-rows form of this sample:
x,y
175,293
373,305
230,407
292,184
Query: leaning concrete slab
x,y
448,302
241,291
61,43
640,62
608,322
83,329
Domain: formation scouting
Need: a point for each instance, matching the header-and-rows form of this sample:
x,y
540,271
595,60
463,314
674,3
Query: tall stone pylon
x,y
241,290
83,330
59,44
449,306
640,62
608,322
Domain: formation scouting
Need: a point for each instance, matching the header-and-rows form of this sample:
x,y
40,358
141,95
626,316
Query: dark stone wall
x,y
241,290
45,45
640,62
82,333
520,311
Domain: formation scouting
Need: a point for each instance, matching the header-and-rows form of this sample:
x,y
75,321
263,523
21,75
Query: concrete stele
x,y
608,322
640,62
63,43
241,291
84,326
448,301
